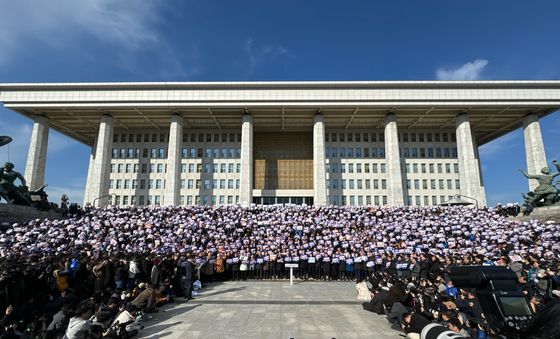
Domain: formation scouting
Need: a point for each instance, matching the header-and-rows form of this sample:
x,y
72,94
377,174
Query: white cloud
x,y
469,71
126,28
259,53
506,143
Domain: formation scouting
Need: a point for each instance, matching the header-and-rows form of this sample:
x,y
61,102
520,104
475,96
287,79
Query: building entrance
x,y
283,161
283,200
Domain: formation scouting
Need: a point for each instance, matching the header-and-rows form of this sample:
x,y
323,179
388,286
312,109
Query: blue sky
x,y
125,40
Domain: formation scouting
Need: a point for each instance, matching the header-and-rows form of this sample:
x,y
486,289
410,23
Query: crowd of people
x,y
96,273
414,298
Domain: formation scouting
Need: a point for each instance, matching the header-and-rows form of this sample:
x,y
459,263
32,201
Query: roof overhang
x,y
495,107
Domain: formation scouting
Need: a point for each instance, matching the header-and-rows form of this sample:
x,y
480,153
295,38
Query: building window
x,y
334,183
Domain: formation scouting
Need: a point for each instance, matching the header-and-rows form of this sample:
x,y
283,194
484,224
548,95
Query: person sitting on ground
x,y
146,300
413,324
363,291
126,321
456,326
60,321
79,325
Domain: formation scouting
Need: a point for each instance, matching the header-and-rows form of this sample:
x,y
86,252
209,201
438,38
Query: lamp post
x,y
103,196
466,196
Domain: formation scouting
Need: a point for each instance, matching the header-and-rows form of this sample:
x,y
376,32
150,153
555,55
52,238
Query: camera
x,y
505,308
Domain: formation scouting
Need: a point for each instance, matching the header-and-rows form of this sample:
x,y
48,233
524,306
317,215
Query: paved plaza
x,y
270,309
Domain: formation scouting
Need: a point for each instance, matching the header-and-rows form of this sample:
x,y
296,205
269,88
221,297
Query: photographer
x,y
80,324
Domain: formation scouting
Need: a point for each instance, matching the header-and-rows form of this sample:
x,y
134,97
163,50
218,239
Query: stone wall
x,y
10,214
549,213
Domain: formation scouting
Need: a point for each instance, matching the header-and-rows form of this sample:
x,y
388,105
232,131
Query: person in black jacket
x,y
414,323
424,266
435,268
187,270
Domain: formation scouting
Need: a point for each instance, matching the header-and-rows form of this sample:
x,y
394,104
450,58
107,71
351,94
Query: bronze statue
x,y
19,195
9,191
546,193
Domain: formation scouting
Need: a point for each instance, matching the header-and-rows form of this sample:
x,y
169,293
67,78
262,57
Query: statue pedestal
x,y
543,214
10,214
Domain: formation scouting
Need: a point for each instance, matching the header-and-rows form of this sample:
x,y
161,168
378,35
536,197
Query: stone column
x,y
395,194
87,190
102,162
246,178
534,147
37,154
319,167
173,175
469,174
482,191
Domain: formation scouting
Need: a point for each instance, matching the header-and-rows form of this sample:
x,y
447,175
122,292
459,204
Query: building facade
x,y
340,143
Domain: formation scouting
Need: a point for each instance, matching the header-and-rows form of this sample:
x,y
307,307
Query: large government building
x,y
340,143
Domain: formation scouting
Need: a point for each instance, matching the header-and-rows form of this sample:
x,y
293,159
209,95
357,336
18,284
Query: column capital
x,y
41,118
461,117
247,117
176,117
106,117
318,117
390,117
530,118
